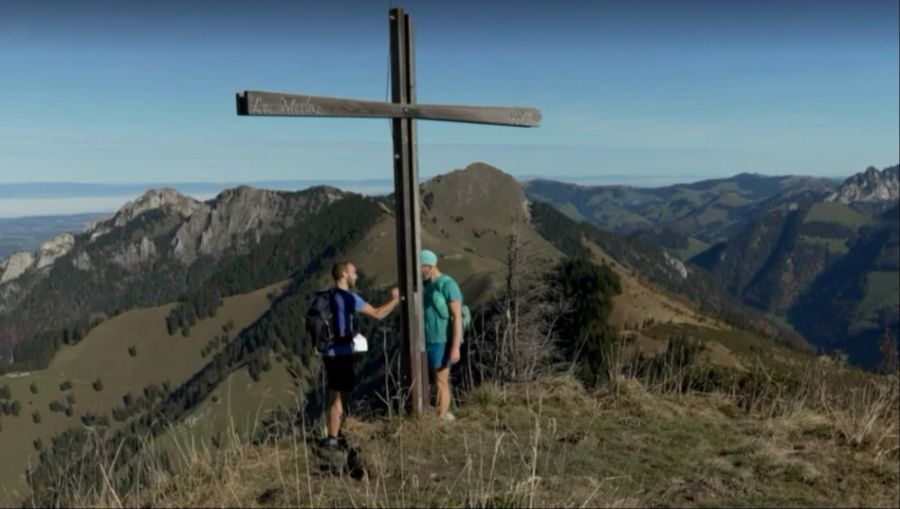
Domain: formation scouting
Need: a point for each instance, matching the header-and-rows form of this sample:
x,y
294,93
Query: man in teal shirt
x,y
442,300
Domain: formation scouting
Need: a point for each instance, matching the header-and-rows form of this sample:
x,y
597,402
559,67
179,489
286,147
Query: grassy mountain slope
x,y
640,303
827,268
663,272
301,251
155,248
67,292
553,443
104,355
851,304
467,218
683,245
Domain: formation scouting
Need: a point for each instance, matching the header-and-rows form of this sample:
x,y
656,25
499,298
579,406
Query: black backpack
x,y
320,321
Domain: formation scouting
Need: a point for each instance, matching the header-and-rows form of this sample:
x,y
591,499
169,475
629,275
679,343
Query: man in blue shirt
x,y
338,359
442,302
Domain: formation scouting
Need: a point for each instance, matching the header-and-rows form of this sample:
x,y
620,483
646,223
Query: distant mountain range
x,y
691,216
33,212
817,255
164,243
38,190
783,245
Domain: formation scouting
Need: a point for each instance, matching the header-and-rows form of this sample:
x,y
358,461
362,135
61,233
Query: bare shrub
x,y
515,339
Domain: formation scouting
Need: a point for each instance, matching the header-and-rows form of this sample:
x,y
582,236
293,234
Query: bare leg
x,y
335,412
442,380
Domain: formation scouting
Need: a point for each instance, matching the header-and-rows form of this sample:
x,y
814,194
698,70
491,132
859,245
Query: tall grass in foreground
x,y
864,412
499,463
231,475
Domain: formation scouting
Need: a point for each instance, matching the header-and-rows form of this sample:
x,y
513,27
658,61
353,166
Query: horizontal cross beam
x,y
256,103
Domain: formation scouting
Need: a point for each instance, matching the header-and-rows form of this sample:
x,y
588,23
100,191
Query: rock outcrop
x,y
871,185
54,249
16,265
136,254
167,199
240,217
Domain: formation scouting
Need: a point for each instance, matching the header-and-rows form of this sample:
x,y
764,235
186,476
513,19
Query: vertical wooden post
x,y
406,193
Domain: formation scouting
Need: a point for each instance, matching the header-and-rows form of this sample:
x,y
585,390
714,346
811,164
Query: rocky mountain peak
x,y
165,198
16,265
54,249
244,214
478,188
871,185
479,207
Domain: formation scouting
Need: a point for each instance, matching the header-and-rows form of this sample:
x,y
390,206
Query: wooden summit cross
x,y
404,111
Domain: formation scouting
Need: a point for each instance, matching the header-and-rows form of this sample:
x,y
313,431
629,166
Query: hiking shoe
x,y
448,417
332,457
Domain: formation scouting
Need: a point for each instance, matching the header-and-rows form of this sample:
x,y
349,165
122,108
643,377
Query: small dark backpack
x,y
320,321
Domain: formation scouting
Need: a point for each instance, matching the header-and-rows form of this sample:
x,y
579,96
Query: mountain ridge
x,y
708,210
834,253
163,244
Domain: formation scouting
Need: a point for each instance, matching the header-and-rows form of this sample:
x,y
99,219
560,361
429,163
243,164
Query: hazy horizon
x,y
31,199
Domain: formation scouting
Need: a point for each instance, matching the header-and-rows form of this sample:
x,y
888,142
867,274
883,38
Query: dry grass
x,y
552,443
868,417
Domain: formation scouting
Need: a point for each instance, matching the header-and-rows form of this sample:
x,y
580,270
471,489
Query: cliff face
x,y
230,223
184,227
20,263
240,217
166,199
154,248
871,185
54,249
16,265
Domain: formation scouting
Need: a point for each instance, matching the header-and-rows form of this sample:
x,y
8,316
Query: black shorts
x,y
340,372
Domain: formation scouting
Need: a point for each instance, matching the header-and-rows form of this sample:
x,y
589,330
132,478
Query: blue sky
x,y
134,92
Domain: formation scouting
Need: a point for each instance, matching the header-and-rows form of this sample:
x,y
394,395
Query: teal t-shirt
x,y
436,298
